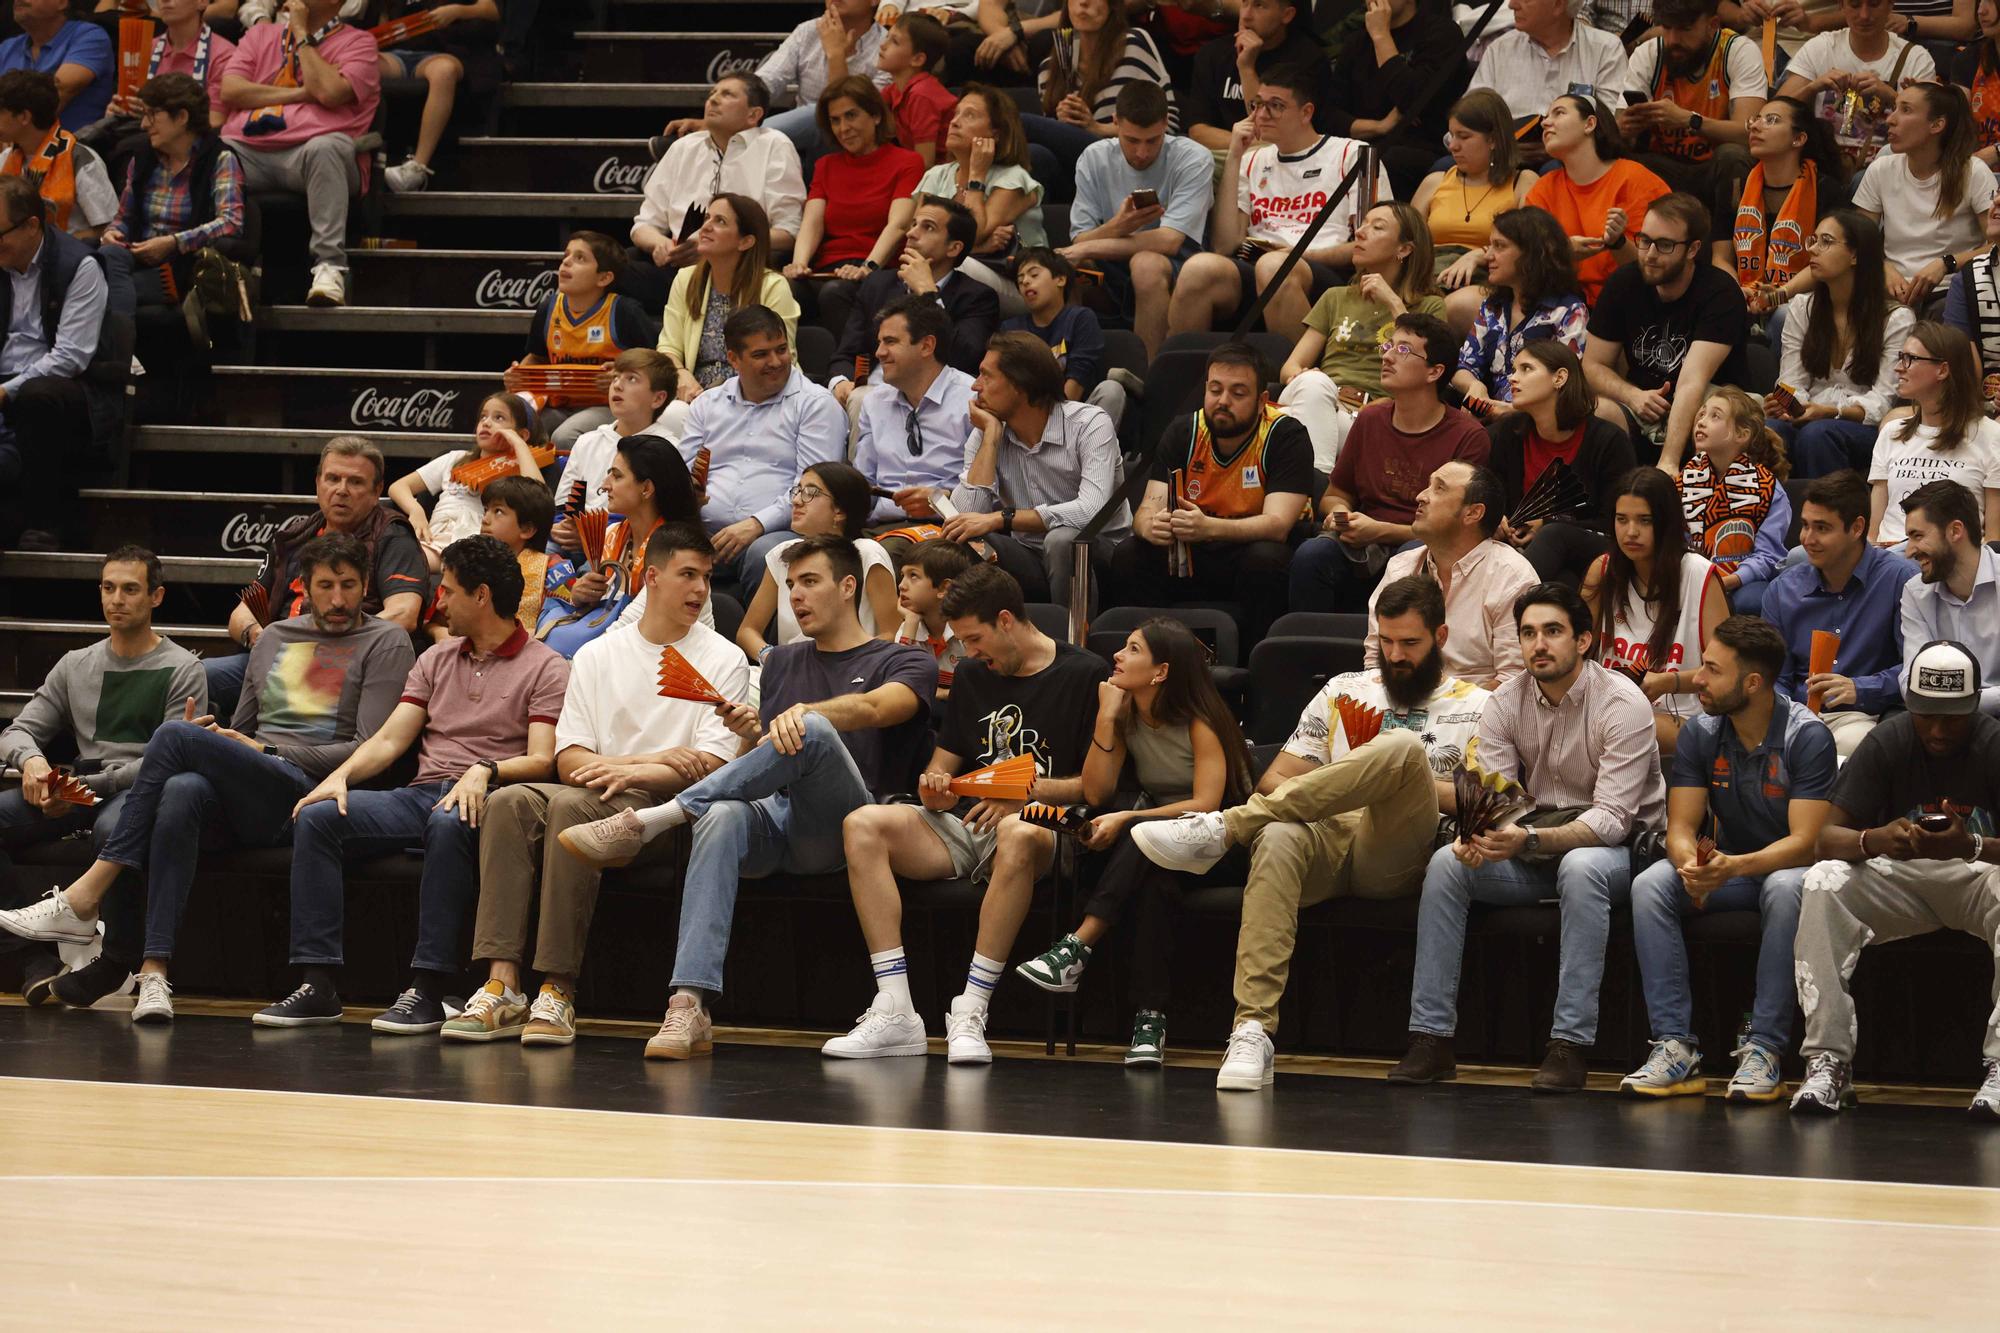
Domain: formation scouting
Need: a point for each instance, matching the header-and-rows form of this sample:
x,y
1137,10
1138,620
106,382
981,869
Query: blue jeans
x,y
756,816
1820,448
1658,904
1748,600
1587,881
1324,578
377,823
225,683
193,782
1065,140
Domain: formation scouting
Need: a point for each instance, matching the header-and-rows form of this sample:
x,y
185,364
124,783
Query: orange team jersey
x,y
1706,94
585,337
1234,489
1582,209
1986,105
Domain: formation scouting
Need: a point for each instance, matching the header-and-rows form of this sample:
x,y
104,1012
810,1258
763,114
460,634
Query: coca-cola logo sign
x,y
419,409
503,291
727,62
614,176
245,535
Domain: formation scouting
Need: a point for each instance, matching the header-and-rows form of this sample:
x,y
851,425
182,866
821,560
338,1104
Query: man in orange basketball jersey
x,y
1245,474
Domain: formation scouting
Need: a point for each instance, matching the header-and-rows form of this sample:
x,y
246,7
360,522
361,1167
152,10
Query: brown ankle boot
x,y
1429,1060
1563,1068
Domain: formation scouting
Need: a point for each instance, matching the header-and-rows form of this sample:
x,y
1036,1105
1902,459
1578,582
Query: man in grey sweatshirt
x,y
318,685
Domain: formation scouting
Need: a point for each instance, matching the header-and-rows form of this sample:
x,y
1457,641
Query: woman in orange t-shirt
x,y
1597,193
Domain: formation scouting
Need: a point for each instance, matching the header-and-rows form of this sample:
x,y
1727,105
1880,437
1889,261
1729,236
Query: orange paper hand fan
x,y
66,787
256,598
1008,780
1361,723
698,470
479,473
591,525
679,680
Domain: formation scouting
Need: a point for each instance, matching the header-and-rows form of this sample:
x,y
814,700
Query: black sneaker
x,y
1429,1060
39,971
82,987
413,1014
304,1007
1563,1068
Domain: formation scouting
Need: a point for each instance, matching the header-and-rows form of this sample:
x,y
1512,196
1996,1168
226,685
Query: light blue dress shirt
x,y
757,451
882,448
27,352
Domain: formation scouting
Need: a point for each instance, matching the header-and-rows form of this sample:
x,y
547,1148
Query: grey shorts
x,y
971,851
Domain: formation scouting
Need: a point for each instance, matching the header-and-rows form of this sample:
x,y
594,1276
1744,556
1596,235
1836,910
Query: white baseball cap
x,y
1944,680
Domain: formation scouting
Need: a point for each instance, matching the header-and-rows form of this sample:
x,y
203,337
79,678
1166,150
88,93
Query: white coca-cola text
x,y
615,177
727,62
243,534
420,409
498,291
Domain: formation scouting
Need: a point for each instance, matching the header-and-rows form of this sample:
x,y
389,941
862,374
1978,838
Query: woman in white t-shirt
x,y
1950,436
1653,600
1928,191
1863,59
831,500
506,425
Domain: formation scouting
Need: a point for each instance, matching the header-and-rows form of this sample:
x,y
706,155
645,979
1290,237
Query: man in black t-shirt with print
x,y
842,721
1914,848
1247,474
1665,328
1018,692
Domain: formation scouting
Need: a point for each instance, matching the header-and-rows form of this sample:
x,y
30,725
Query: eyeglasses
x,y
805,495
1399,349
1904,360
1660,243
1273,105
913,435
1819,241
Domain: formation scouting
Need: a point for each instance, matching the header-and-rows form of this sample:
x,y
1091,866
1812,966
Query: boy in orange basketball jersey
x,y
584,321
1246,472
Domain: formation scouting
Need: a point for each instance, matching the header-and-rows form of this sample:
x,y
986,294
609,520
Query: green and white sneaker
x,y
1149,1038
1060,968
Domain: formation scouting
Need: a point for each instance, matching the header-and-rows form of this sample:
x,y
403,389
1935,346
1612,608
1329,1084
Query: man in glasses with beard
x,y
1331,819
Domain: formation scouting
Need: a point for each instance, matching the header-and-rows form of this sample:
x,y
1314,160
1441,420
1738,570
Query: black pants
x,y
46,451
1561,551
644,281
1153,894
1255,574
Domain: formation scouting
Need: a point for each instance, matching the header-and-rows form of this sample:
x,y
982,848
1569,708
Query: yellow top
x,y
1464,216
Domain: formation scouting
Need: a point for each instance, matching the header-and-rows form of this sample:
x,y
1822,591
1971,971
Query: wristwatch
x,y
1534,843
977,187
1007,519
1950,262
492,768
870,265
1694,121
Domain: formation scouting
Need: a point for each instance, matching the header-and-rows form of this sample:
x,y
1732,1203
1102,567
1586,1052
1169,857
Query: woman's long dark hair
x,y
1670,543
1188,694
1956,144
747,287
1070,71
1867,308
651,458
1575,403
849,491
1606,139
1547,268
1819,149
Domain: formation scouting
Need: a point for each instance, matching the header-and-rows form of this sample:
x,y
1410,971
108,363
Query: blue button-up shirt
x,y
1750,792
76,42
1865,613
757,451
28,352
882,448
1931,612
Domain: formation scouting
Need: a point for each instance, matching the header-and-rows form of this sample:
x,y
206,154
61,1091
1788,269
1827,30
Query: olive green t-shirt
x,y
1355,329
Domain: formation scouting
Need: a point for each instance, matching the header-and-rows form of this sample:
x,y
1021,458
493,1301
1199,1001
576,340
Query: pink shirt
x,y
482,707
258,58
182,62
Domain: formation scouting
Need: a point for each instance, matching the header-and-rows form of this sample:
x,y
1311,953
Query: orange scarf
x,y
52,171
1773,250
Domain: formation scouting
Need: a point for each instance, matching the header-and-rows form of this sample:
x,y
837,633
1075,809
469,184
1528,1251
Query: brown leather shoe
x,y
1429,1060
1563,1068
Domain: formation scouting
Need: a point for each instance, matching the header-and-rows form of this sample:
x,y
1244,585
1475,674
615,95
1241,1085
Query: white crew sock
x,y
892,978
980,980
657,819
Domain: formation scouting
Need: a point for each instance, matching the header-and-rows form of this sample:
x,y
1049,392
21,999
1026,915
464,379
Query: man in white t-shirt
x,y
1279,187
1332,819
619,746
1865,59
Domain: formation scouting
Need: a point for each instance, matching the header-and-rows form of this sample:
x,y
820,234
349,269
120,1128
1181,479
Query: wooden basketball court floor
x,y
216,1175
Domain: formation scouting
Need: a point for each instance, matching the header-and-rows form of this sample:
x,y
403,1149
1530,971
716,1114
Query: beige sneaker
x,y
687,1031
490,1014
552,1020
606,843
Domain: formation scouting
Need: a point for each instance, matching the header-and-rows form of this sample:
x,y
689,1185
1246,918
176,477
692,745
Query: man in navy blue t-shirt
x,y
1753,775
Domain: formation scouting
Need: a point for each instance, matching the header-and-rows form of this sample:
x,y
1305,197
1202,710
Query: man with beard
x,y
1247,472
482,708
1911,847
1958,597
1579,737
1329,819
1753,773
1666,328
318,685
1701,83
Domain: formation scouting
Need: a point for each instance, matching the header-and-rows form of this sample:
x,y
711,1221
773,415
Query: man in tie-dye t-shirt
x,y
318,685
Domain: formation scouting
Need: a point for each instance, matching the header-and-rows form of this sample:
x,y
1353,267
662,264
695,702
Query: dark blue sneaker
x,y
304,1007
413,1014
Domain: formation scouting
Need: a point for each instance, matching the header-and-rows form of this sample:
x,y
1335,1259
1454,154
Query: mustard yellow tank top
x,y
1464,216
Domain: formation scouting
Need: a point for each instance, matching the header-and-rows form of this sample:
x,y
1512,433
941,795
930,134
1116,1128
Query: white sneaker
x,y
49,919
409,178
1246,1066
1986,1102
1193,843
329,286
156,999
965,1034
881,1030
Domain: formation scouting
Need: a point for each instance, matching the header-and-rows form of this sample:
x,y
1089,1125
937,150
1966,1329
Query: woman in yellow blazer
x,y
734,271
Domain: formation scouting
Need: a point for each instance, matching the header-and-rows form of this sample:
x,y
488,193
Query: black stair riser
x,y
695,16
187,526
475,282
360,402
687,60
546,168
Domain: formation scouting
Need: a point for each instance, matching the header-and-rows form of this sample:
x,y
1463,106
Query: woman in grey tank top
x,y
1159,709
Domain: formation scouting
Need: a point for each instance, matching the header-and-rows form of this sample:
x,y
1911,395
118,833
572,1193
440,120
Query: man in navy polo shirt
x,y
1753,773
